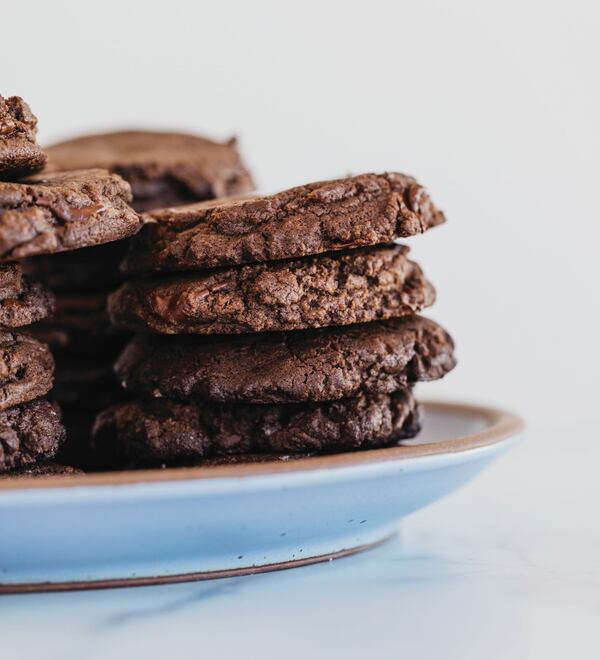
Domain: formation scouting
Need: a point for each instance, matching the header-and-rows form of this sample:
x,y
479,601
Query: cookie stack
x,y
162,169
281,324
41,215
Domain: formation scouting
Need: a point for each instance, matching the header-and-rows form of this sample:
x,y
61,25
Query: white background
x,y
494,106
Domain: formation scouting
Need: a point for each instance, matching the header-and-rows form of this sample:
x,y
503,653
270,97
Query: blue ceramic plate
x,y
143,527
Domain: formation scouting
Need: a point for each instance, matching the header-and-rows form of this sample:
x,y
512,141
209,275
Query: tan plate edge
x,y
501,425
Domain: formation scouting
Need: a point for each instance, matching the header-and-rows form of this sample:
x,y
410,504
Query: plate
x,y
152,526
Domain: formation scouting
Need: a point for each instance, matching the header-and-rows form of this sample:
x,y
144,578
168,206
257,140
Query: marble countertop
x,y
508,567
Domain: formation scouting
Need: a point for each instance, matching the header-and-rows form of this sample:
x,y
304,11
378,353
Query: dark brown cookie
x,y
164,431
26,369
19,153
11,280
305,365
29,433
45,470
92,269
63,211
164,169
80,327
332,215
337,288
33,303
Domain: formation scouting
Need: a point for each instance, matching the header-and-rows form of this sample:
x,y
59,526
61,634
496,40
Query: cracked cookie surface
x,y
306,365
26,369
63,211
32,303
338,288
29,433
19,153
11,280
319,217
163,431
164,169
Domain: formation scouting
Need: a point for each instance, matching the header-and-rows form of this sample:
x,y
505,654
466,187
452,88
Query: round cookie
x,y
164,169
33,303
163,431
11,280
319,217
337,288
29,433
19,153
63,211
26,369
306,365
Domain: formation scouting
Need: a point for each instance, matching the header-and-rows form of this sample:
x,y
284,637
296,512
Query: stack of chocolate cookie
x,y
295,326
41,215
162,169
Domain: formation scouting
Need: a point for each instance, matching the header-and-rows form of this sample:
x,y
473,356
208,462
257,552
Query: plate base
x,y
45,587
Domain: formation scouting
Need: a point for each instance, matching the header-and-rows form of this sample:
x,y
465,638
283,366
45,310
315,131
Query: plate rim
x,y
501,425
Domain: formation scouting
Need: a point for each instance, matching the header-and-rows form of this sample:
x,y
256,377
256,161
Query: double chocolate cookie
x,y
345,213
33,303
337,288
29,433
19,153
22,301
63,211
157,431
309,365
26,369
164,169
11,280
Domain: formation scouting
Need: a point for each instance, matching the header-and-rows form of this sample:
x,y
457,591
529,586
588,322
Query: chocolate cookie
x,y
164,169
11,280
80,327
164,431
31,304
305,365
90,270
19,153
331,215
45,470
29,433
63,211
26,369
338,288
